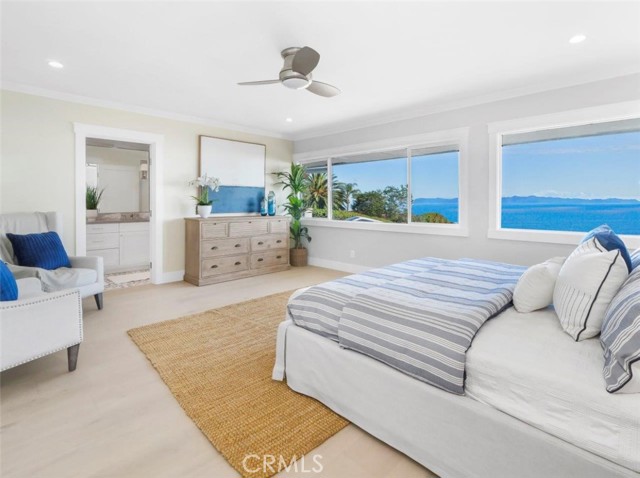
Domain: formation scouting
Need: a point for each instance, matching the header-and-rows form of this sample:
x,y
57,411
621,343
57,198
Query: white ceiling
x,y
389,58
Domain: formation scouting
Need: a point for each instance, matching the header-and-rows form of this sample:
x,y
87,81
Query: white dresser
x,y
225,248
123,246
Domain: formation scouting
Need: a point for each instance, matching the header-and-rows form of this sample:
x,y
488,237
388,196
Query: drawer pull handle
x,y
260,243
278,241
260,259
238,263
214,266
278,257
214,248
237,245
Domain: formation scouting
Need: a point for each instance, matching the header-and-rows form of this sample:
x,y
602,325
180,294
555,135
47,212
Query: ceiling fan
x,y
296,72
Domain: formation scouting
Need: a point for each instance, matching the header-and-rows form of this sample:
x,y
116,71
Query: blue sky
x,y
592,167
435,175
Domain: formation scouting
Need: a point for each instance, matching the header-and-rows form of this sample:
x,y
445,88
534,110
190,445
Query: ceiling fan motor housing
x,y
288,77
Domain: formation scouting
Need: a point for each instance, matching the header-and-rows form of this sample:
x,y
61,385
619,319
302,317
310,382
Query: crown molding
x,y
427,109
57,95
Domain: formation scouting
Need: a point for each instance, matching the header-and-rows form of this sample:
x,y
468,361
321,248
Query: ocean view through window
x,y
374,187
572,179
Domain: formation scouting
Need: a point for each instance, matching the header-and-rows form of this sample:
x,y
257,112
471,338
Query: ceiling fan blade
x,y
305,60
263,82
323,89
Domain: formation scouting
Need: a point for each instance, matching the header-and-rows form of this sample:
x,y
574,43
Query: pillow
x,y
635,259
620,338
586,284
610,241
534,289
43,250
8,285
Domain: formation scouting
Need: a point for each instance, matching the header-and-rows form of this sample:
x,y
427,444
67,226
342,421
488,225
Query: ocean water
x,y
552,214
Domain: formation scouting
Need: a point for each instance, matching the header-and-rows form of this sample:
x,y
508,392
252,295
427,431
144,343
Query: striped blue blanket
x,y
419,317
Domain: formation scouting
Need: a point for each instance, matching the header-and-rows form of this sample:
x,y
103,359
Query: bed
x,y
534,402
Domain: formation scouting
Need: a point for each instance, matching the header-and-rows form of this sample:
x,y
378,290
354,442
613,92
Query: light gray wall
x,y
373,248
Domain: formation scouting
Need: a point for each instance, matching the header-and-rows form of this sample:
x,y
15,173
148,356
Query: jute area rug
x,y
218,366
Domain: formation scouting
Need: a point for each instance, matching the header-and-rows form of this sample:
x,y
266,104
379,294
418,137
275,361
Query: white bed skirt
x,y
453,436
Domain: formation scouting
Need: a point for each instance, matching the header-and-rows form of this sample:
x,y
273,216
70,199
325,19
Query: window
x,y
572,178
371,187
318,188
434,185
384,188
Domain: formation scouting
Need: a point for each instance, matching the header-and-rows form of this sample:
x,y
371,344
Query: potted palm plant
x,y
296,181
93,198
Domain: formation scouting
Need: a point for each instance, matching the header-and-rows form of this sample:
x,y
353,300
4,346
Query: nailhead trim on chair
x,y
40,301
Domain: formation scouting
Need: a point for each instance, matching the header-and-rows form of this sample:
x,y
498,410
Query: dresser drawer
x,y
263,243
224,247
248,228
224,265
213,230
269,259
101,228
278,226
103,241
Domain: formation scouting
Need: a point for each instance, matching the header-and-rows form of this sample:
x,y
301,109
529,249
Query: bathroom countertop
x,y
117,218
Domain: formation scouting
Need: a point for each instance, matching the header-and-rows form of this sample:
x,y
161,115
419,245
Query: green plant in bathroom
x,y
94,196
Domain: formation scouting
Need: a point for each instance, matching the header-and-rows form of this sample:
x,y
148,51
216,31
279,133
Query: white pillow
x,y
534,289
586,284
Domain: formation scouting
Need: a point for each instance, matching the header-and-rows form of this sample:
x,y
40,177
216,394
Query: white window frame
x,y
458,137
598,114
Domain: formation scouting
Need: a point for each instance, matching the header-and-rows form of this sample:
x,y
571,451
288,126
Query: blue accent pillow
x,y
610,241
8,285
43,250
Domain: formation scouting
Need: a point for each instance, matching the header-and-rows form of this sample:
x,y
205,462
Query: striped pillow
x,y
635,259
586,284
43,250
621,338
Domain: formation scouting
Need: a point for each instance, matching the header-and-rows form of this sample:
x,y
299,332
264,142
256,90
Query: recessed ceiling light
x,y
577,39
289,120
55,64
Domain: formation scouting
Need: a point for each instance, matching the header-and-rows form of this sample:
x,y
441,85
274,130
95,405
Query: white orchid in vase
x,y
204,184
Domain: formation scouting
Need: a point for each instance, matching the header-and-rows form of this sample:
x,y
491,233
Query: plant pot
x,y
204,211
92,213
298,257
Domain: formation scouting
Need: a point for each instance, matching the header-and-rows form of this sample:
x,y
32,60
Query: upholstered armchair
x,y
86,273
39,324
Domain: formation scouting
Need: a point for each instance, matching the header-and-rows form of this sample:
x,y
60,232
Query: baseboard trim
x,y
337,265
167,277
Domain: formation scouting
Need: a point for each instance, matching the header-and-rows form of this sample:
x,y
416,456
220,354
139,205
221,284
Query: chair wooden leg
x,y
99,300
72,356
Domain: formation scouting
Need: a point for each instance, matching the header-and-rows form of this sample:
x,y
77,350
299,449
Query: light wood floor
x,y
114,417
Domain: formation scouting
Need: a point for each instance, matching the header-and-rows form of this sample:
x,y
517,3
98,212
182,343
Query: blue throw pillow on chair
x,y
8,285
610,241
43,250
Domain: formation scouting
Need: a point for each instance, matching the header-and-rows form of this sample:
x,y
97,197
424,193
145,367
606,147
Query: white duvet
x,y
527,367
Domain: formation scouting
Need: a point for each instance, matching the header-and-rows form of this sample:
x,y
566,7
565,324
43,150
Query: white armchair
x,y
39,324
86,273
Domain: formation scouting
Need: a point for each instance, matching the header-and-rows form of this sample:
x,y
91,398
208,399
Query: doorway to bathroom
x,y
117,203
118,208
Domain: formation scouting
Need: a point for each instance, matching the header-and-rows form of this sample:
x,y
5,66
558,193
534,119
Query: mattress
x,y
526,366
